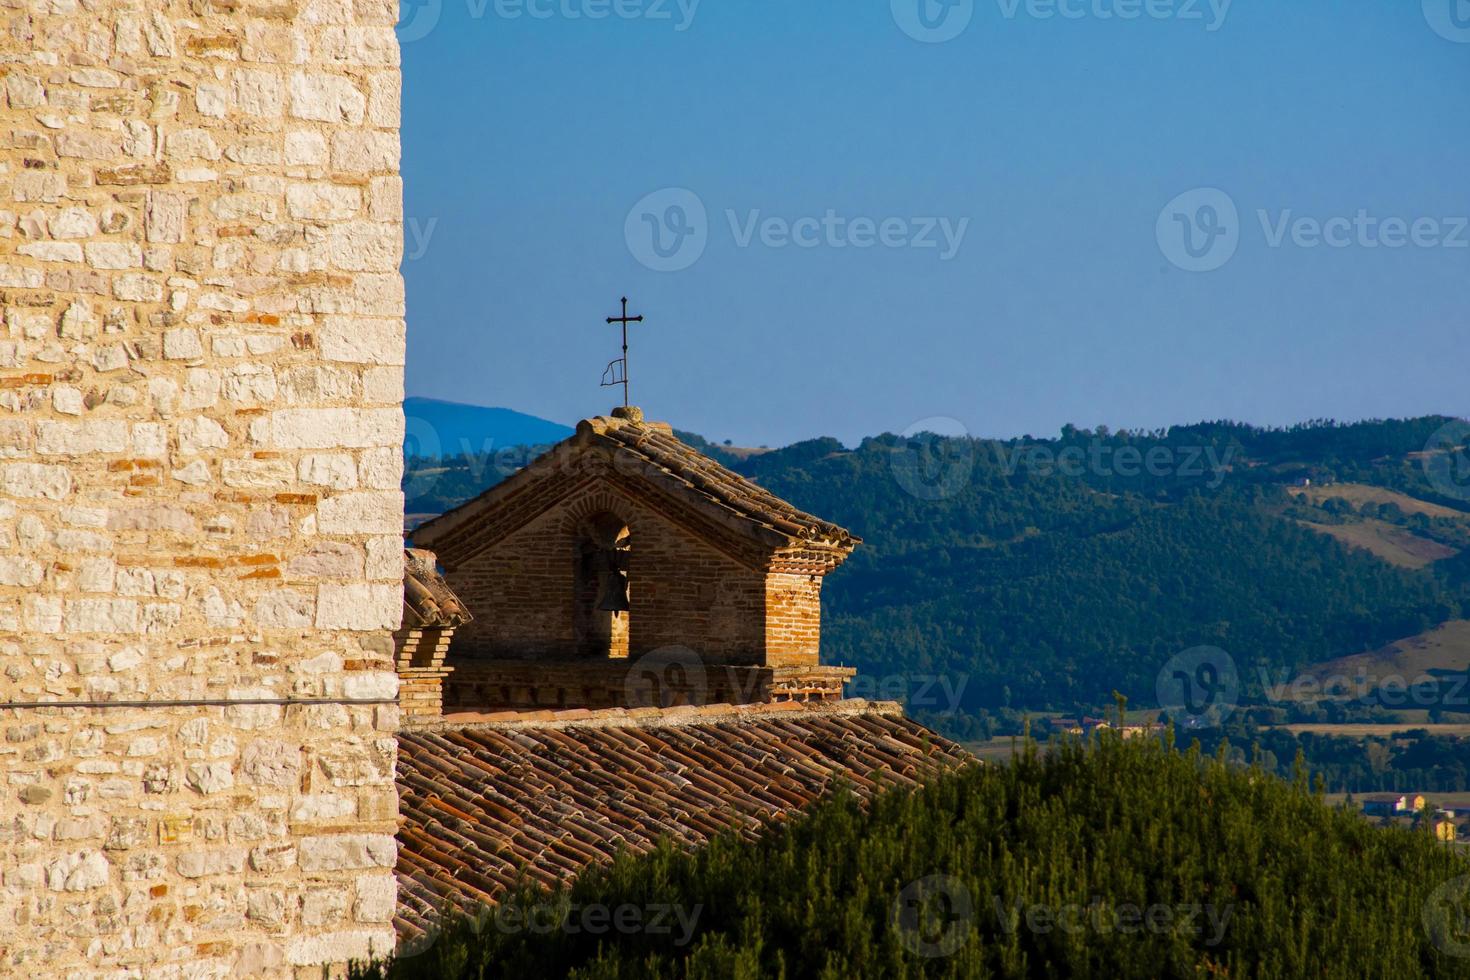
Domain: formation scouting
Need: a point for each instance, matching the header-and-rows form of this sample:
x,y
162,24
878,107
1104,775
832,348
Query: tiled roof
x,y
482,804
427,598
650,450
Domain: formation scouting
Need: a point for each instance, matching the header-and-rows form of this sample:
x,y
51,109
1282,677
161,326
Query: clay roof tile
x,y
484,807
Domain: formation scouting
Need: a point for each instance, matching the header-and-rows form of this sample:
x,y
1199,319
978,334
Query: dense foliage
x,y
432,485
1412,761
1120,859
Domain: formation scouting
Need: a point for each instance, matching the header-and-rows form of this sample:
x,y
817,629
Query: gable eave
x,y
629,467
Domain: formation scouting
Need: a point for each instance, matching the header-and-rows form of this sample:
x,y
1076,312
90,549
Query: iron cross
x,y
625,319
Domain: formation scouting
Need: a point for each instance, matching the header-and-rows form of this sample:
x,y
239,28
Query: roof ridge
x,y
651,454
675,717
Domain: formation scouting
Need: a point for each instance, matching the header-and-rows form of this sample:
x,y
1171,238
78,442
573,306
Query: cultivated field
x,y
1393,544
1358,494
1446,647
1367,730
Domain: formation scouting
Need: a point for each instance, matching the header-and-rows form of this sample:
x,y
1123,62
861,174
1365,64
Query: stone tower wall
x,y
200,426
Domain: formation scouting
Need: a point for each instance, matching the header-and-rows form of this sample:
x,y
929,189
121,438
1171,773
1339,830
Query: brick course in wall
x,y
200,428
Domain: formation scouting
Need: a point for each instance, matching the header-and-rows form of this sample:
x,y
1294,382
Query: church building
x,y
632,633
622,546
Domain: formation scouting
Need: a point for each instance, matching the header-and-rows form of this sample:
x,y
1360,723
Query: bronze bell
x,y
614,597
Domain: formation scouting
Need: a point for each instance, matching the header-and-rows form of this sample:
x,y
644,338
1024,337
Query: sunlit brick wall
x,y
793,619
683,591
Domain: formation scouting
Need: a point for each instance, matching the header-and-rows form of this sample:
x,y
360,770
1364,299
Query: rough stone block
x,y
78,871
359,607
364,512
340,852
363,340
335,428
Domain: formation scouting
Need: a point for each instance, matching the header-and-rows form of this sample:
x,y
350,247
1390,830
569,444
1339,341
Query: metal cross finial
x,y
612,370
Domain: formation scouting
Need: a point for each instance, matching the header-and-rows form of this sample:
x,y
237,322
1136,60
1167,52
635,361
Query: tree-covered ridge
x,y
1050,581
1037,574
1118,859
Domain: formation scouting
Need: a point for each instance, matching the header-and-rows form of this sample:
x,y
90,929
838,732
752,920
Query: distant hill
x,y
1023,582
438,429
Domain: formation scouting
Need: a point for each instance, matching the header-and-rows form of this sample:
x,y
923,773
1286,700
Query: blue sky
x,y
988,228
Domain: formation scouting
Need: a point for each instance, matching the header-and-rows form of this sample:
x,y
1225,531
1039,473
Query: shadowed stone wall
x,y
200,426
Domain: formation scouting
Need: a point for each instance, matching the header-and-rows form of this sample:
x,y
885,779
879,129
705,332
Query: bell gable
x,y
623,541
